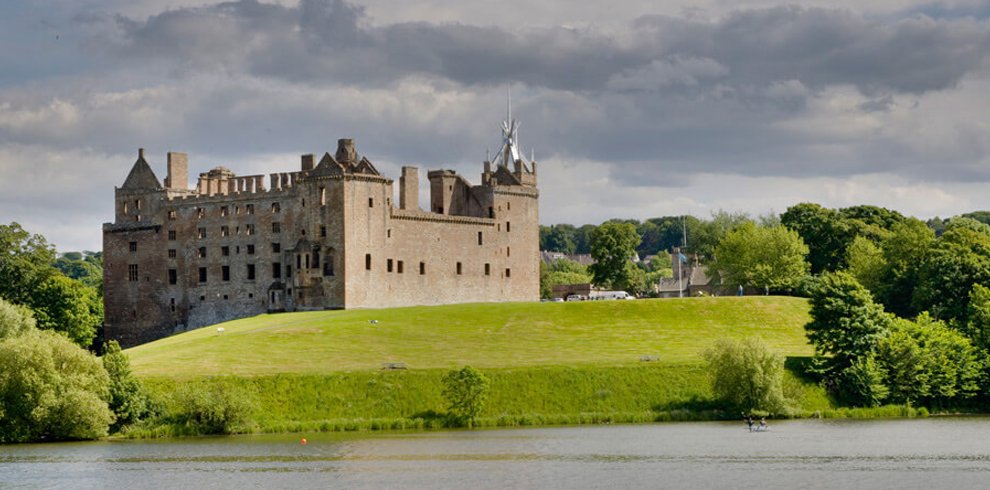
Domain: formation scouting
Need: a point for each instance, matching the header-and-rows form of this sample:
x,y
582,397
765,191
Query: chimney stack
x,y
308,162
178,170
409,188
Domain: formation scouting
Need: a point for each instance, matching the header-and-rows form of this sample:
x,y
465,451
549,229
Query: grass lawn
x,y
486,336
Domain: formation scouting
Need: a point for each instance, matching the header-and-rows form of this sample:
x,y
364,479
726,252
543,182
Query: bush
x,y
466,390
746,375
127,399
862,383
15,320
213,407
51,389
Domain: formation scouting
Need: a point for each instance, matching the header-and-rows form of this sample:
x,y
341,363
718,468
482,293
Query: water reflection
x,y
940,453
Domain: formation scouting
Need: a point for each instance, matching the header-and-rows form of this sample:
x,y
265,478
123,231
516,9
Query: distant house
x,y
690,277
549,257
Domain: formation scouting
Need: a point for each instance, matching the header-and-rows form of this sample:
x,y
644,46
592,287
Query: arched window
x,y
328,262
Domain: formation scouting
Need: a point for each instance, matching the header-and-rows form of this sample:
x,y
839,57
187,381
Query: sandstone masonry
x,y
327,236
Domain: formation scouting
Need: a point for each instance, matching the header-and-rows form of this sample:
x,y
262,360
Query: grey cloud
x,y
322,40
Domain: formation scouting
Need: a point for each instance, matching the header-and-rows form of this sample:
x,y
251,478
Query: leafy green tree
x,y
704,236
978,317
612,247
68,306
928,362
25,262
466,391
905,249
560,238
15,320
746,375
50,389
863,382
845,322
762,257
127,399
561,272
959,259
866,263
582,239
87,271
820,229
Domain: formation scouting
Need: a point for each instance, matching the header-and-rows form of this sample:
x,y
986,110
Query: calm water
x,y
928,454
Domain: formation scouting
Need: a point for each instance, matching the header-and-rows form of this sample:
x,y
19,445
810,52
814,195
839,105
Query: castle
x,y
325,237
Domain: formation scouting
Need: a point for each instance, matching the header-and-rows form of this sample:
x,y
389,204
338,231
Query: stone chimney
x,y
308,162
409,188
178,171
345,151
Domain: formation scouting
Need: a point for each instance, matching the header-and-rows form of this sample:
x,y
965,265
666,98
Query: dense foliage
x,y
746,376
764,257
127,399
466,391
613,246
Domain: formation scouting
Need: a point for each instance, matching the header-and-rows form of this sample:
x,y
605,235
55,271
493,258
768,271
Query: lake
x,y
924,454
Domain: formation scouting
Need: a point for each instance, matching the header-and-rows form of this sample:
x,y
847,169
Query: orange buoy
x,y
303,441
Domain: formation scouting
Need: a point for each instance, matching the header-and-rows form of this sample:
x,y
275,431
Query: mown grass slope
x,y
486,336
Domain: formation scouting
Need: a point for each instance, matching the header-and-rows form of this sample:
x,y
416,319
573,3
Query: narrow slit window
x,y
367,262
458,268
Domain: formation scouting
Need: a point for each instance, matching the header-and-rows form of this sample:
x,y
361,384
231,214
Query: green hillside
x,y
487,336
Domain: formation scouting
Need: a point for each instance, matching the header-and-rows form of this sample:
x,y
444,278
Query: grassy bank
x,y
372,400
549,363
491,336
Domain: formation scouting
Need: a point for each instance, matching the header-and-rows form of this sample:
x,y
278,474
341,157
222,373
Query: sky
x,y
633,109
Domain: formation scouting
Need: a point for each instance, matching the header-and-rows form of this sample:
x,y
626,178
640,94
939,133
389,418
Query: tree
x,y
704,236
904,250
763,257
928,362
612,246
822,231
50,389
978,317
560,238
959,259
746,375
560,272
15,320
582,239
67,306
465,390
863,382
866,263
127,400
845,322
25,262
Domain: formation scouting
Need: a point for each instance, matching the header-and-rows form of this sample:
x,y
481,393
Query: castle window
x,y
422,268
508,252
288,271
250,272
298,261
225,297
173,276
307,261
481,240
508,272
250,249
200,212
508,206
276,248
132,272
276,207
388,233
302,232
132,246
237,210
137,217
316,257
171,253
323,196
491,212
388,266
202,274
323,231
488,269
224,231
225,272
250,209
171,304
125,208
508,227
371,202
225,251
137,204
202,252
399,267
202,233
328,263
171,234
458,268
249,229
439,209
224,210
276,270
276,227
171,215
367,262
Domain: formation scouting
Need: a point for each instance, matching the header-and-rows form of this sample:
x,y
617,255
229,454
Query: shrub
x,y
15,320
466,390
213,407
51,389
746,375
862,383
127,399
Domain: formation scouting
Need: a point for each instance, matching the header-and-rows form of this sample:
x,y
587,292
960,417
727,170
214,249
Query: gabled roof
x,y
141,176
365,167
328,166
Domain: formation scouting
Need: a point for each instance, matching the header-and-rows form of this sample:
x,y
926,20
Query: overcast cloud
x,y
641,109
